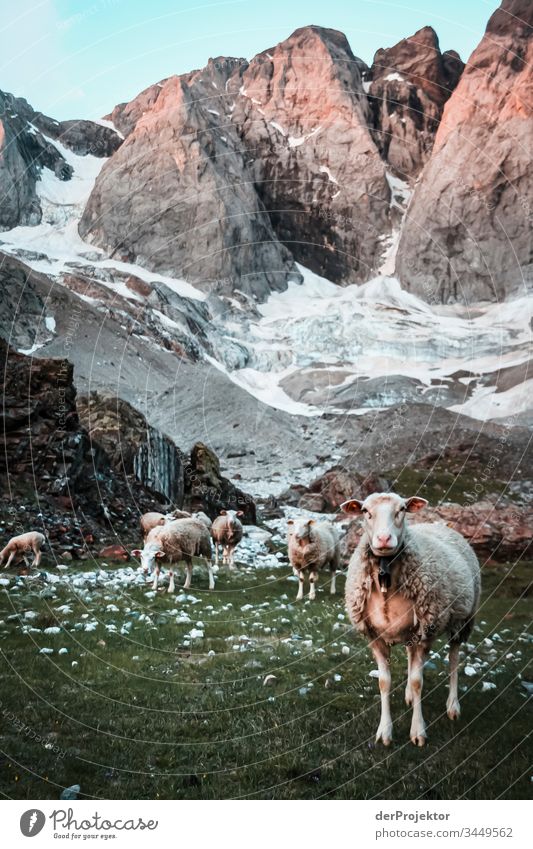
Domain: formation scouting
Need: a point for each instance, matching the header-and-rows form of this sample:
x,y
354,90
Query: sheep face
x,y
232,517
149,554
302,531
384,519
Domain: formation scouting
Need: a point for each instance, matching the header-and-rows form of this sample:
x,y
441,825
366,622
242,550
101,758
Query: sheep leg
x,y
157,570
408,692
300,595
452,705
216,554
188,579
10,559
313,578
333,581
210,574
171,584
381,652
36,559
416,681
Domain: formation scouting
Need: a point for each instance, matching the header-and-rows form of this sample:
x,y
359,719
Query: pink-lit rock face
x,y
177,197
468,230
411,82
304,118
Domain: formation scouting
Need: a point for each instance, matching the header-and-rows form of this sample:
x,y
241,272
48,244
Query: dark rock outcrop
x,y
467,234
208,490
303,117
133,447
411,82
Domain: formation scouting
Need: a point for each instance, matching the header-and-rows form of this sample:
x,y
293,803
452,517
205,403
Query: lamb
x,y
18,546
408,584
227,532
313,546
181,539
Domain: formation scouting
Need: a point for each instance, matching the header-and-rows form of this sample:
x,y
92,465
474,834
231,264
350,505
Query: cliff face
x,y
178,197
467,234
27,146
304,117
410,83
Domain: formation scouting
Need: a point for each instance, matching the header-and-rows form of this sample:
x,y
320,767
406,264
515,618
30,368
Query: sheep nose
x,y
384,540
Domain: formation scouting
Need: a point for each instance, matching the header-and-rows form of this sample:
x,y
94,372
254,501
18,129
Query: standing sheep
x,y
203,517
181,539
408,585
227,532
19,546
313,546
149,521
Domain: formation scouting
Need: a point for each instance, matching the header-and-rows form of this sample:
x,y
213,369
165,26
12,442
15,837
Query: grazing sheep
x,y
227,532
312,546
408,584
181,539
18,547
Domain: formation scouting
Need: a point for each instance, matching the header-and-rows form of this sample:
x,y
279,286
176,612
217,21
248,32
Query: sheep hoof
x,y
418,740
384,734
453,710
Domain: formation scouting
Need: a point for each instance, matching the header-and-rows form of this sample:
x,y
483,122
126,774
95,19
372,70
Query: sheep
x,y
312,546
203,517
154,519
181,539
408,584
148,521
227,532
18,547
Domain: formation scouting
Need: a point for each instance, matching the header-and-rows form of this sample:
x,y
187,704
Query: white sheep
x,y
20,545
181,539
312,546
408,584
203,517
227,532
151,520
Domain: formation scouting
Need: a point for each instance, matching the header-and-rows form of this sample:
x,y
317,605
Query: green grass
x,y
143,715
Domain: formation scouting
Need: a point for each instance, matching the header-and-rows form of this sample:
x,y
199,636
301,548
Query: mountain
x,y
257,255
467,234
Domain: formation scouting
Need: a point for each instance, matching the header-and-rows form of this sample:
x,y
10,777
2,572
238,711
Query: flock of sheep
x,y
405,584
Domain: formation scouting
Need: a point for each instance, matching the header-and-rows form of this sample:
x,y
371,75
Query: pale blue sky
x,y
78,58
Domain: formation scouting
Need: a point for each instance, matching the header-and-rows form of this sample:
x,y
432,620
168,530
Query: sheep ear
x,y
159,554
136,552
311,522
352,506
223,512
413,504
240,513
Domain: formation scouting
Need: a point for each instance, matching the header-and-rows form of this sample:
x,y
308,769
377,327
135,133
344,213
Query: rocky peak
x,y
410,84
303,117
468,232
